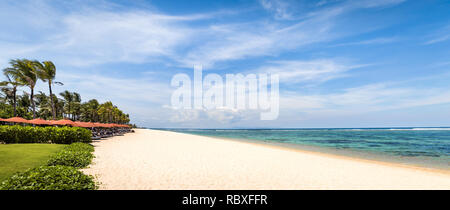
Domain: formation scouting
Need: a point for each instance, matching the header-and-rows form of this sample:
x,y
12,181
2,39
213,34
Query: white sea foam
x,y
420,129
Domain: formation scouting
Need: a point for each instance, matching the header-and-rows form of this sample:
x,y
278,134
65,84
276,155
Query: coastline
x,y
344,153
347,154
155,159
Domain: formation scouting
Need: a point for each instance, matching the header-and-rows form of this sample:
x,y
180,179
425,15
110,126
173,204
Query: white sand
x,y
151,159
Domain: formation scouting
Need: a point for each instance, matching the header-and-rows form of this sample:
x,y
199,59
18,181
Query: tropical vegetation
x,y
56,135
50,178
24,73
78,155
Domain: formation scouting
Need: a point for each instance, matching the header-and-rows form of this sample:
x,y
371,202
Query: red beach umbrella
x,y
62,122
108,125
39,121
16,120
100,125
90,124
80,124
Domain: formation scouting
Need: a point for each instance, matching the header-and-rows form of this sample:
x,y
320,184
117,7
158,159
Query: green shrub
x,y
80,146
7,135
78,155
50,178
29,134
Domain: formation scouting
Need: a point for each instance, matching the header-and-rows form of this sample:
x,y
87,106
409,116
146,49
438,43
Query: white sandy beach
x,y
153,159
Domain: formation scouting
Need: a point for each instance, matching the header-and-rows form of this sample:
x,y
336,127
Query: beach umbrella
x,y
90,124
62,122
108,125
16,120
84,124
81,124
101,125
39,121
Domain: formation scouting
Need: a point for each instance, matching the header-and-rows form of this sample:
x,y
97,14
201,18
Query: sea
x,y
425,147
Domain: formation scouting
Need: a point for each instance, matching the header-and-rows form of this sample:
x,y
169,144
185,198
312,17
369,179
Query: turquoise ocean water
x,y
422,146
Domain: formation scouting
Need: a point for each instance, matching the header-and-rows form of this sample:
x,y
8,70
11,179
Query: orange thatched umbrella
x,y
113,125
108,125
39,121
16,120
90,124
62,122
100,125
80,124
84,124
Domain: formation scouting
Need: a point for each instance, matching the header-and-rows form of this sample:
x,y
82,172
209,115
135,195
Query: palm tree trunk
x,y
51,99
32,103
14,101
68,114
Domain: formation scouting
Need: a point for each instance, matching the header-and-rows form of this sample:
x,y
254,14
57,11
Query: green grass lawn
x,y
20,157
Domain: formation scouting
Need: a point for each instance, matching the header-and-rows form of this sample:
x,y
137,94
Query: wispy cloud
x,y
99,34
438,39
313,71
278,7
441,35
382,40
365,99
114,37
87,39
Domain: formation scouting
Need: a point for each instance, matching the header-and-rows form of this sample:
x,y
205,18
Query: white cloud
x,y
313,71
382,40
278,7
440,35
364,99
103,37
95,35
374,3
98,35
438,39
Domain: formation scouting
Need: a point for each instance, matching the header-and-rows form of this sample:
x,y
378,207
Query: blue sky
x,y
341,63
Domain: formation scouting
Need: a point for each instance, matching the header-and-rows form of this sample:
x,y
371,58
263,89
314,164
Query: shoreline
x,y
155,159
334,154
344,153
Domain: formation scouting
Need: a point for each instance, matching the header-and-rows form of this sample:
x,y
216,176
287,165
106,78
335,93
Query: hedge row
x,y
78,155
55,135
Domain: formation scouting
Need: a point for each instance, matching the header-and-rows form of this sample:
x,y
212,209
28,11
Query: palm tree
x,y
89,110
25,70
59,106
47,73
45,109
23,105
12,76
68,99
105,111
76,106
